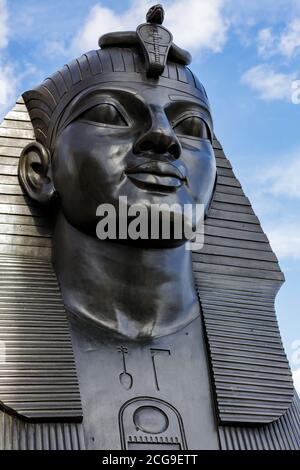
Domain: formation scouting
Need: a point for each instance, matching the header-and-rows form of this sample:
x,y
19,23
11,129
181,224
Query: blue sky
x,y
246,53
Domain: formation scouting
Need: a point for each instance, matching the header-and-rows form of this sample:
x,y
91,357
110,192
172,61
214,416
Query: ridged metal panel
x,y
238,277
24,229
283,434
250,369
37,369
18,435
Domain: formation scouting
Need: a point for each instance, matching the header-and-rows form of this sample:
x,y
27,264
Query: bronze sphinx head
x,y
129,119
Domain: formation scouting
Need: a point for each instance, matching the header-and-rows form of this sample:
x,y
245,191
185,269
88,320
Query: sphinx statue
x,y
133,344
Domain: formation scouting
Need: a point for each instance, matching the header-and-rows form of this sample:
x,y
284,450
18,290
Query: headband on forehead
x,y
145,55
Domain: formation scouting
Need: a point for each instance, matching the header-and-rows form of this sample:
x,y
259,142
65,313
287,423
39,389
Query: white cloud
x,y
195,24
270,84
8,87
7,77
266,42
275,193
296,378
3,24
285,43
290,39
285,239
283,179
198,24
259,10
99,21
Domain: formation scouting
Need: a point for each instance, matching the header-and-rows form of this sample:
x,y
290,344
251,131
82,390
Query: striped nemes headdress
x,y
147,53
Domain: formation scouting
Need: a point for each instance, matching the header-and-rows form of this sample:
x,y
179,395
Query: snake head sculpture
x,y
155,14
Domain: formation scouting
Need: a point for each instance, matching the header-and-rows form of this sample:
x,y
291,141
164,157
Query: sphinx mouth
x,y
154,173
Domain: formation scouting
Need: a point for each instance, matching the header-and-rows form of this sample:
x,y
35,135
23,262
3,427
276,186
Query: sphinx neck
x,y
136,292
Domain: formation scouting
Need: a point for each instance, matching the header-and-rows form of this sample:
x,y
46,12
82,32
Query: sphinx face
x,y
150,144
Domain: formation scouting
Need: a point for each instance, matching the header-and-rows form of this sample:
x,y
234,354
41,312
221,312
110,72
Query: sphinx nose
x,y
160,138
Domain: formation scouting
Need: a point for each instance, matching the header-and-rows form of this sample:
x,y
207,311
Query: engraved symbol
x,y
125,378
156,352
150,419
151,423
153,34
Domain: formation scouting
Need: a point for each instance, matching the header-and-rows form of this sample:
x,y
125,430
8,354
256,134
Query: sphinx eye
x,y
193,126
105,113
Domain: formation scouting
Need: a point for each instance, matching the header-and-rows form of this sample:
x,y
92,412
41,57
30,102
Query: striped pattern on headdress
x,y
46,102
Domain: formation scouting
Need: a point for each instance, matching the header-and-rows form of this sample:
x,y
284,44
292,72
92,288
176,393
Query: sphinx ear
x,y
35,172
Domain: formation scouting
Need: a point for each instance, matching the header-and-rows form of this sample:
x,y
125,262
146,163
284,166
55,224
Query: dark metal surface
x,y
16,434
160,375
253,244
37,370
155,14
37,374
24,228
283,434
107,66
238,277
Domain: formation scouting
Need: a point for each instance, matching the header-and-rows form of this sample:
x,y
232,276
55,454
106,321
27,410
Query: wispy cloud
x,y
8,79
282,179
11,72
266,42
8,85
285,239
198,25
275,192
290,39
257,11
3,24
270,84
285,43
195,24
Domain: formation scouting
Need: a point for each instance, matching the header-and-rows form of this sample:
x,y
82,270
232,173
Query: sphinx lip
x,y
157,168
155,173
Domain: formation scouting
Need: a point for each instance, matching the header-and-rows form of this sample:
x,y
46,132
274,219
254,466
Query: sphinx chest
x,y
145,395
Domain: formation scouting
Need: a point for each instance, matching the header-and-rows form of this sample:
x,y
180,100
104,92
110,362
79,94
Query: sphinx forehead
x,y
146,90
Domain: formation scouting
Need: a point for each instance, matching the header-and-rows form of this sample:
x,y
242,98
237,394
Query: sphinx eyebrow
x,y
110,92
196,103
87,102
190,100
186,98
